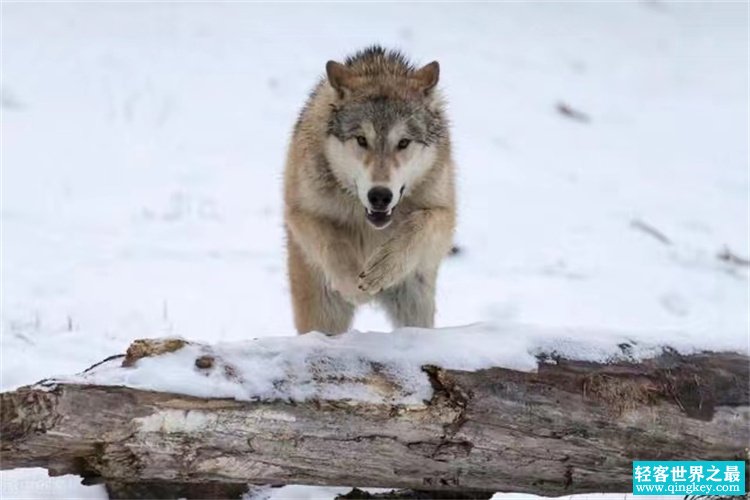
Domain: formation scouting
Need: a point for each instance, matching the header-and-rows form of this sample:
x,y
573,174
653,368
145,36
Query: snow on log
x,y
455,409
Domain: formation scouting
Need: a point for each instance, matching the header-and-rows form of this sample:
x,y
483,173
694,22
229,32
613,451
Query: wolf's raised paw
x,y
380,273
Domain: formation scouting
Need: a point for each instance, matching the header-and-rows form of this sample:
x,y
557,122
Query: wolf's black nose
x,y
379,198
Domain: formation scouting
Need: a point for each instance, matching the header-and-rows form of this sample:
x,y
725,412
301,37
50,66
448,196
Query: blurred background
x,y
602,152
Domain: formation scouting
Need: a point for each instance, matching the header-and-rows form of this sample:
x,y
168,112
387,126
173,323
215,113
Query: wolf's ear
x,y
427,76
339,76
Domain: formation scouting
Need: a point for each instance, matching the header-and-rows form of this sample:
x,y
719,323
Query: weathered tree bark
x,y
571,427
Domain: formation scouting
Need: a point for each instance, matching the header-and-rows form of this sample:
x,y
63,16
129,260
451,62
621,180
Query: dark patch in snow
x,y
568,111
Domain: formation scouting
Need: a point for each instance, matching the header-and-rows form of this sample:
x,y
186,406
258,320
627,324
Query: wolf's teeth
x,y
389,212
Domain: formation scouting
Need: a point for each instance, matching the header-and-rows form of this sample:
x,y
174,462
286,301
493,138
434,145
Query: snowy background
x,y
143,145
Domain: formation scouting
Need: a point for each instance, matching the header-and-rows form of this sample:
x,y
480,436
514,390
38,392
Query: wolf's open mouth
x,y
377,218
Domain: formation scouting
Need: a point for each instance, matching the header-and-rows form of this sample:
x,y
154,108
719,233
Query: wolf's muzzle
x,y
379,198
378,213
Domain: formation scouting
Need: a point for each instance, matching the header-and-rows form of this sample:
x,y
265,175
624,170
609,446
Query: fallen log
x,y
331,415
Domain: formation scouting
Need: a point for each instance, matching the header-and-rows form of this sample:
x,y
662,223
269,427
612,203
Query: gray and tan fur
x,y
369,193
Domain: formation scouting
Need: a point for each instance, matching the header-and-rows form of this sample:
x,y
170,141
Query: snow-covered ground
x,y
143,143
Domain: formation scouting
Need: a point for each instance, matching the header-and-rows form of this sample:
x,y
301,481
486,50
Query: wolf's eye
x,y
403,143
362,141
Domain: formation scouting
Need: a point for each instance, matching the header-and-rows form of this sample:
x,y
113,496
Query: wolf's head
x,y
384,127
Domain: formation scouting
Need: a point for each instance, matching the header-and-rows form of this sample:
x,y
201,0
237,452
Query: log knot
x,y
448,395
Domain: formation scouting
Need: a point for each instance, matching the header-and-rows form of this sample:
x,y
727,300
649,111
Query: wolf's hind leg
x,y
411,302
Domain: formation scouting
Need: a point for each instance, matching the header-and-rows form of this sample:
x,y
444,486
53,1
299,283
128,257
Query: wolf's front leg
x,y
328,248
419,242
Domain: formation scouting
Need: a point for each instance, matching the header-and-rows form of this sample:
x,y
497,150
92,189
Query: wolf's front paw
x,y
381,272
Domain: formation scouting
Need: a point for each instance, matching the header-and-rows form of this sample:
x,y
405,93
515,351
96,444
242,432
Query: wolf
x,y
369,193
